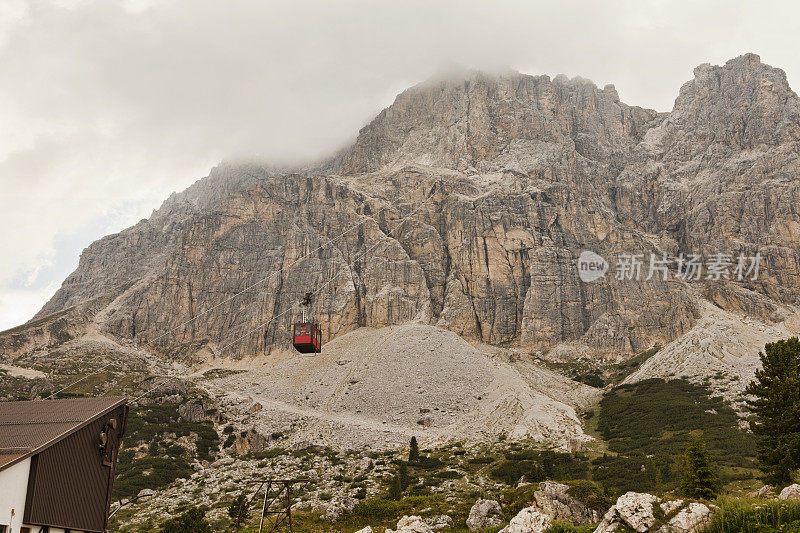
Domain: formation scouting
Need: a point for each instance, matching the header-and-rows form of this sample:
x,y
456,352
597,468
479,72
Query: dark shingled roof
x,y
27,428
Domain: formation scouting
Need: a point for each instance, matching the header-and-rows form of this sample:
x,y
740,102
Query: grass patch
x,y
566,527
755,516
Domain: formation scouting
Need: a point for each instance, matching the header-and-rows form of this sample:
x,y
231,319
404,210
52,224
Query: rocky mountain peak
x,y
512,177
477,120
742,104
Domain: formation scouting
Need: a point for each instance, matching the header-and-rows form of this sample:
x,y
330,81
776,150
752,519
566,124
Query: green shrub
x,y
239,509
165,461
377,509
192,521
539,465
480,460
590,493
657,417
148,472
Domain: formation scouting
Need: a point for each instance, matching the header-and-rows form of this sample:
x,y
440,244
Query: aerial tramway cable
x,y
265,324
223,302
268,322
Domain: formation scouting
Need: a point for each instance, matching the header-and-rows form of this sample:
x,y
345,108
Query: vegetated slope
x,y
720,351
377,388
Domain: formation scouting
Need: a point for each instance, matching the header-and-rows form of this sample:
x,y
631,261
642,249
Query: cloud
x,y
107,107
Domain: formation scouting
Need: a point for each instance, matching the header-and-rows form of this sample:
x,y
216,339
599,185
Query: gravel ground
x,y
377,388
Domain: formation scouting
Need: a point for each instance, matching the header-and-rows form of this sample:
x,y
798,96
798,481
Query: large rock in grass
x,y
485,514
367,529
634,510
439,523
691,519
529,520
339,507
554,500
411,524
638,512
766,491
792,492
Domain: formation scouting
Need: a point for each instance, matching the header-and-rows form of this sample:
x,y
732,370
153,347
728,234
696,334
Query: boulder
x,y
256,407
411,524
691,519
529,520
200,409
439,523
671,505
250,441
365,530
633,510
485,514
765,491
553,500
146,493
339,507
792,492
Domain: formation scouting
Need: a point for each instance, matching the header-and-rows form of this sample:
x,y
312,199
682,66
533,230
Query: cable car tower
x,y
306,337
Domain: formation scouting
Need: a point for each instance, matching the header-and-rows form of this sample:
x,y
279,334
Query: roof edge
x,y
64,435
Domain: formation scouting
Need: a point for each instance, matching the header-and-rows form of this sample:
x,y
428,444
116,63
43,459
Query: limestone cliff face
x,y
115,261
489,123
720,174
466,204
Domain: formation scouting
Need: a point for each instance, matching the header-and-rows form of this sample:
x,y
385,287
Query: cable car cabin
x,y
307,338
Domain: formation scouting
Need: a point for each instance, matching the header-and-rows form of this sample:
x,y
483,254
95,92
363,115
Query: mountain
x,y
465,206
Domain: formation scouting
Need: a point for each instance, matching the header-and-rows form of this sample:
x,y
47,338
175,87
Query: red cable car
x,y
306,337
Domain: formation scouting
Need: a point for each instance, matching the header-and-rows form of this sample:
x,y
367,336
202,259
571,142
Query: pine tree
x,y
699,479
238,510
395,489
776,406
413,451
402,474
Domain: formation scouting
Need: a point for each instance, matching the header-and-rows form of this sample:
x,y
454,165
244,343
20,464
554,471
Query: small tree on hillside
x,y
238,510
699,479
395,488
776,406
192,521
402,474
413,451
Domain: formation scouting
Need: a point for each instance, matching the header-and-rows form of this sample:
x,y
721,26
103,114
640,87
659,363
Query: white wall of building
x,y
13,487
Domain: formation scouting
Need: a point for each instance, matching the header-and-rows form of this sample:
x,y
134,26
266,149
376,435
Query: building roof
x,y
27,428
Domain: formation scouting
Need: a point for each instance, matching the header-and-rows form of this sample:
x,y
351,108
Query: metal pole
x,y
264,508
289,504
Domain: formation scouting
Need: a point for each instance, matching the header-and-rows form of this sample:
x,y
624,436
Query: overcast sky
x,y
107,107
